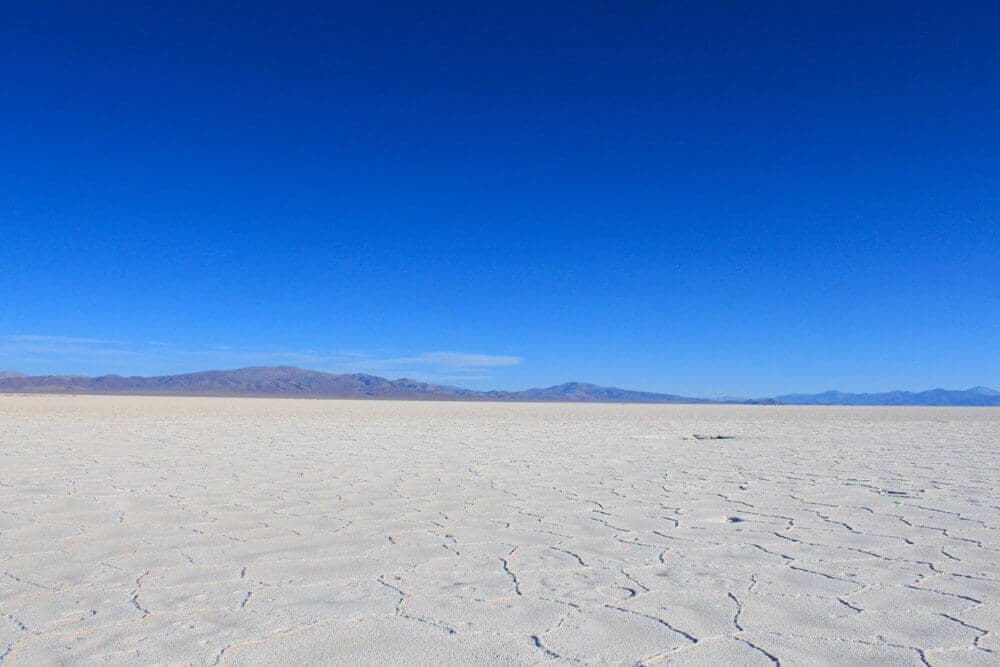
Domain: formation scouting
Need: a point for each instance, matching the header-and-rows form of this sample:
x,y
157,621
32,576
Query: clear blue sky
x,y
742,199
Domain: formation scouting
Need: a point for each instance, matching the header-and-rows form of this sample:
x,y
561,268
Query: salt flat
x,y
253,531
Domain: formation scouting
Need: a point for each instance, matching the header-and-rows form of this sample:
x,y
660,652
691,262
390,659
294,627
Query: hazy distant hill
x,y
581,391
293,381
261,380
976,396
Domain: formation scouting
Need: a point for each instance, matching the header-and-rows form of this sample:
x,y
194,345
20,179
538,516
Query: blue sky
x,y
725,200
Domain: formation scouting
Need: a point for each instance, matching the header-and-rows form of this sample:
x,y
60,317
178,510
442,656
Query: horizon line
x,y
13,374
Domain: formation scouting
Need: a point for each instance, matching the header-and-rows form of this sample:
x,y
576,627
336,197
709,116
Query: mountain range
x,y
976,396
291,381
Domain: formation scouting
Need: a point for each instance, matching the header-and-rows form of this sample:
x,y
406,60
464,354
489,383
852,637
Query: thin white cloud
x,y
58,347
435,378
60,340
450,360
464,360
66,353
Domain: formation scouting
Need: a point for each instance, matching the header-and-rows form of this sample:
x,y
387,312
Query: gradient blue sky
x,y
735,199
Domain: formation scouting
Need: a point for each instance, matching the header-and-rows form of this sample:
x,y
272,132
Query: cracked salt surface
x,y
247,531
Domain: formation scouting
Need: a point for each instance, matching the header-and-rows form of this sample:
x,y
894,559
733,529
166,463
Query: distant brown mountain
x,y
293,381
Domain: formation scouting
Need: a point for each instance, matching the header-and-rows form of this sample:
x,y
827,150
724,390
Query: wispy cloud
x,y
60,340
58,354
62,346
437,366
453,360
